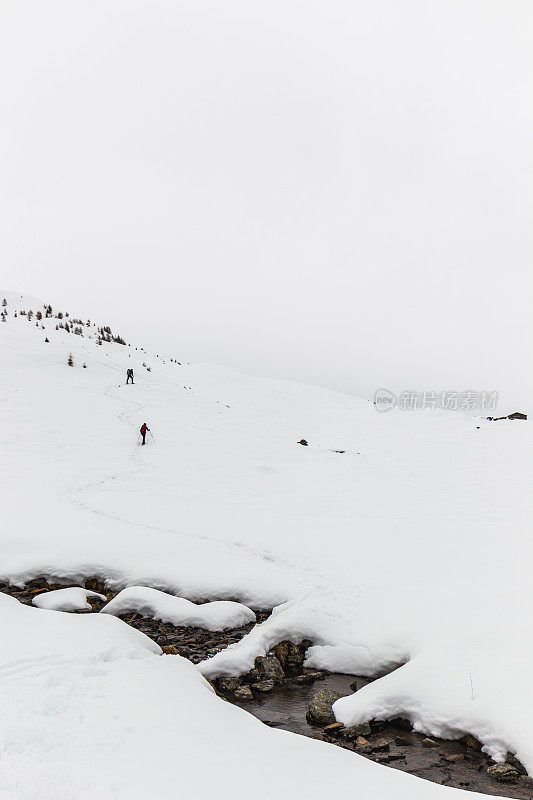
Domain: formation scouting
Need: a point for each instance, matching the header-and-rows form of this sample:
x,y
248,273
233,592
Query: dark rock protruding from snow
x,y
514,415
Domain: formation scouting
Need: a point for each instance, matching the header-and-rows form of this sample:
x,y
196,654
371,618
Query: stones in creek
x,y
284,661
170,650
228,684
401,722
363,744
505,773
95,585
269,668
307,677
427,742
470,742
351,733
320,711
291,656
512,759
243,693
266,668
402,741
380,745
454,758
263,686
335,727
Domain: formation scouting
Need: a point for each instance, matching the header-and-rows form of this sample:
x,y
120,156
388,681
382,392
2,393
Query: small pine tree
x,y
39,315
84,365
47,340
4,302
70,361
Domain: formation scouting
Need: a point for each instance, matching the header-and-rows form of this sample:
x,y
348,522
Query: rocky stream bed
x,y
283,694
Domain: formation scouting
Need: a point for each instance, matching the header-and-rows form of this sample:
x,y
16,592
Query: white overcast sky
x,y
334,192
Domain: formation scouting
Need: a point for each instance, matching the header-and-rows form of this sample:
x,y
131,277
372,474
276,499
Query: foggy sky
x,y
335,192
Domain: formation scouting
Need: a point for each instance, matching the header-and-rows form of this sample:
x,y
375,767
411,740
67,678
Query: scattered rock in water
x,y
269,668
512,759
263,686
470,742
427,742
320,711
505,773
401,722
362,743
380,745
402,741
363,729
335,727
243,693
170,650
307,677
454,758
95,585
291,656
228,684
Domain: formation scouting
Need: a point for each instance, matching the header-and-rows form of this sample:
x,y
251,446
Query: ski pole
x,y
151,434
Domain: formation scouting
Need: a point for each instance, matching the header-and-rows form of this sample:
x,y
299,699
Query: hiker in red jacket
x,y
144,428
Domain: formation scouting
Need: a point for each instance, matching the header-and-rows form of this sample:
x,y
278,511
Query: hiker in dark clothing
x,y
129,375
144,428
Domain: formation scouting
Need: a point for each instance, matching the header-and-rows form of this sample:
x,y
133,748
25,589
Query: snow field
x,y
410,551
216,616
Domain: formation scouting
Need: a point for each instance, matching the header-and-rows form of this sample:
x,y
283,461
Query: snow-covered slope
x,y
411,547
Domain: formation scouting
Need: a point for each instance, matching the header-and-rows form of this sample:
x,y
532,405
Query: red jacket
x,y
143,428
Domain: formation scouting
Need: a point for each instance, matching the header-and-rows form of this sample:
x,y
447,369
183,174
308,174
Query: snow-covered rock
x,y
216,616
73,598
